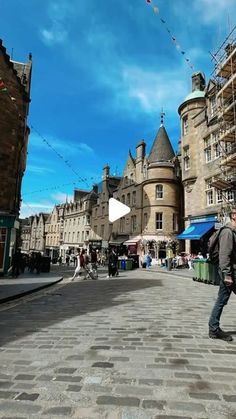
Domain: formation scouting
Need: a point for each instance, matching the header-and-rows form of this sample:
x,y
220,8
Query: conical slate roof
x,y
162,149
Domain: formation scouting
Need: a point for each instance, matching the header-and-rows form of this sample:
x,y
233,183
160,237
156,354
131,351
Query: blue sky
x,y
102,71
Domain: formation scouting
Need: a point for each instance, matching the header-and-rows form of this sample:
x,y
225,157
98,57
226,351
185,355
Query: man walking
x,y
227,272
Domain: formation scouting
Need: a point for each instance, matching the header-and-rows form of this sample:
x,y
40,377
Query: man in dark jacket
x,y
227,272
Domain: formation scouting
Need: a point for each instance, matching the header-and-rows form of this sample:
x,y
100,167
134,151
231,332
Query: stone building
x,y
203,146
77,221
15,79
151,186
54,228
38,233
101,229
25,234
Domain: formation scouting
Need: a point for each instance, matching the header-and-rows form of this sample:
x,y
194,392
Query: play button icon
x,y
117,210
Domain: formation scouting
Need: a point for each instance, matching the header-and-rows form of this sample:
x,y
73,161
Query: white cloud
x,y
150,90
214,11
58,144
31,208
55,35
39,169
61,197
84,148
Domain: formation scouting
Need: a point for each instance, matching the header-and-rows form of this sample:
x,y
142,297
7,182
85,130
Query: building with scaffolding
x,y
208,149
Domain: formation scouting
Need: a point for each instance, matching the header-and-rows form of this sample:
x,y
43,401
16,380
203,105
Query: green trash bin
x,y
197,270
129,264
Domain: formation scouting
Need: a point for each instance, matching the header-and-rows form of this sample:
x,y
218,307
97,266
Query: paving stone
x,y
224,369
7,394
74,388
28,396
5,377
19,407
177,361
26,377
103,365
118,401
68,378
153,404
44,377
65,370
75,358
24,386
59,411
205,396
150,381
192,407
171,417
6,384
187,375
98,347
229,398
119,358
134,390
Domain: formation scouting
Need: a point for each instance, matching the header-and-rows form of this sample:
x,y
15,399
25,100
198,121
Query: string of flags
x,y
68,164
173,38
94,179
3,88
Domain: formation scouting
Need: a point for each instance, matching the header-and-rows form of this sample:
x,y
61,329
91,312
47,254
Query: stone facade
x,y
202,149
38,233
25,234
14,132
54,231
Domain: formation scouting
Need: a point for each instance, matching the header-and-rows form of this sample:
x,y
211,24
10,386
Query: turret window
x,y
185,125
159,192
159,221
186,158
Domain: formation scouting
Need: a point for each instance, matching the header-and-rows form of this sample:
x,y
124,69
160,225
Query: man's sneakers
x,y
220,334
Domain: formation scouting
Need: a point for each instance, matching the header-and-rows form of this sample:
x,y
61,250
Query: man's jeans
x,y
222,299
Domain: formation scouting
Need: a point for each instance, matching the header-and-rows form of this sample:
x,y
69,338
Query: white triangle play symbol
x,y
117,210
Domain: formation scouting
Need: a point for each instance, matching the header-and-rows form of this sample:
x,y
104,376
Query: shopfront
x,y
197,234
7,232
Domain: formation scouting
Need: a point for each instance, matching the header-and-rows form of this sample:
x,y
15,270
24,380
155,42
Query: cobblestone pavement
x,y
127,348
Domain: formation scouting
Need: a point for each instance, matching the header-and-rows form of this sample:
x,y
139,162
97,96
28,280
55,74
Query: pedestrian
x,y
67,259
148,260
227,273
16,263
38,262
112,263
78,268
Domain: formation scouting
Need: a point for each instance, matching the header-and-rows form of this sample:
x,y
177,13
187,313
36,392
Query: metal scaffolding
x,y
224,76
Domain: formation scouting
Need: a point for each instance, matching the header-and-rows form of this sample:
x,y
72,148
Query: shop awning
x,y
133,241
116,242
196,230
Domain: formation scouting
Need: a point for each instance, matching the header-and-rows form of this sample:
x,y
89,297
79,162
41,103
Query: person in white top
x,y
78,268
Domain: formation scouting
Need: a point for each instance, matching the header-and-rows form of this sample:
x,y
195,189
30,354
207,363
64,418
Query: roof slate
x,y
162,149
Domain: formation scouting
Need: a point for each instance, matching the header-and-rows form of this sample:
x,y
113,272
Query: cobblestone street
x,y
133,347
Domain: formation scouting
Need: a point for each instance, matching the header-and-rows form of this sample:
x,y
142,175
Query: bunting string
x,y
56,187
172,37
4,90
